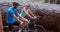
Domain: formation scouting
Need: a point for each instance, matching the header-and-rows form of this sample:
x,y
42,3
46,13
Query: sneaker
x,y
19,31
24,30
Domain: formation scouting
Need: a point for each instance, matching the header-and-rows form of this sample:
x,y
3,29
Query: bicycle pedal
x,y
30,30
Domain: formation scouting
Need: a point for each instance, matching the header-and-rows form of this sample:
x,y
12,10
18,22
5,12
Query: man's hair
x,y
15,3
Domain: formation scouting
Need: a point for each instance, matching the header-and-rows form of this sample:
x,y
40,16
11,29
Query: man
x,y
12,16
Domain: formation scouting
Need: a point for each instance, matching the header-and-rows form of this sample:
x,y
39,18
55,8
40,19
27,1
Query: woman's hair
x,y
28,5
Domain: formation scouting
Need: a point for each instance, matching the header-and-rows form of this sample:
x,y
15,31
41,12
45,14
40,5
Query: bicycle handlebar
x,y
38,17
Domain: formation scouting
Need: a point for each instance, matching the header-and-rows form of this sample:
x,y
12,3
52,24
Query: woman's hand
x,y
32,17
21,22
35,17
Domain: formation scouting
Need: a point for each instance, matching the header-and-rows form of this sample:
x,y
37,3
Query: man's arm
x,y
19,15
12,13
16,18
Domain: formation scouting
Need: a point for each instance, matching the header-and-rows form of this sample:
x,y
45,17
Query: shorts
x,y
11,25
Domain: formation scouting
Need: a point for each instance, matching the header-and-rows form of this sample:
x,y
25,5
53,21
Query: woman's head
x,y
27,6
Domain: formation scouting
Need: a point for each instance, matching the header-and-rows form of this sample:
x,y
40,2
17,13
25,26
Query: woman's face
x,y
28,7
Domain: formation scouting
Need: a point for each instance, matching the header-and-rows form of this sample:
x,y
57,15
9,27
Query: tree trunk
x,y
1,26
53,1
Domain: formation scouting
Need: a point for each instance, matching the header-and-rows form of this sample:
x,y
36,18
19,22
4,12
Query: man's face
x,y
16,6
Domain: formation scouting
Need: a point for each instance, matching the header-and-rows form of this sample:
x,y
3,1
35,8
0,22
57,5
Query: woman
x,y
26,12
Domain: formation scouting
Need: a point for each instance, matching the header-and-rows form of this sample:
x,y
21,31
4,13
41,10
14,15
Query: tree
x,y
1,26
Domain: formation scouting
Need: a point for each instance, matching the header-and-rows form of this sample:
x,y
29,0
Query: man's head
x,y
15,4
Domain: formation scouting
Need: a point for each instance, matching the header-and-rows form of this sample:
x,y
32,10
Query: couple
x,y
12,16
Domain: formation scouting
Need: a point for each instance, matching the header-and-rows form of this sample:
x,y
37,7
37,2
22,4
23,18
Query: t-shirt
x,y
10,12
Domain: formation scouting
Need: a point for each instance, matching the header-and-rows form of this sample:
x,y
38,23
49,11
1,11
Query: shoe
x,y
24,30
19,31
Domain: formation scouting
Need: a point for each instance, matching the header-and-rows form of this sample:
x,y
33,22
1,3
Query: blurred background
x,y
41,1
48,9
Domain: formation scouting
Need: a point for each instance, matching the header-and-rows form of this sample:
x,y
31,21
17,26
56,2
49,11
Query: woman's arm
x,y
30,12
27,13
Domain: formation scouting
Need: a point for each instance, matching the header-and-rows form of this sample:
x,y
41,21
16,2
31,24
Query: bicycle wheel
x,y
39,28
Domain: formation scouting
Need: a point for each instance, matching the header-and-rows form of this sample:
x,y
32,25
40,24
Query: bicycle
x,y
36,28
